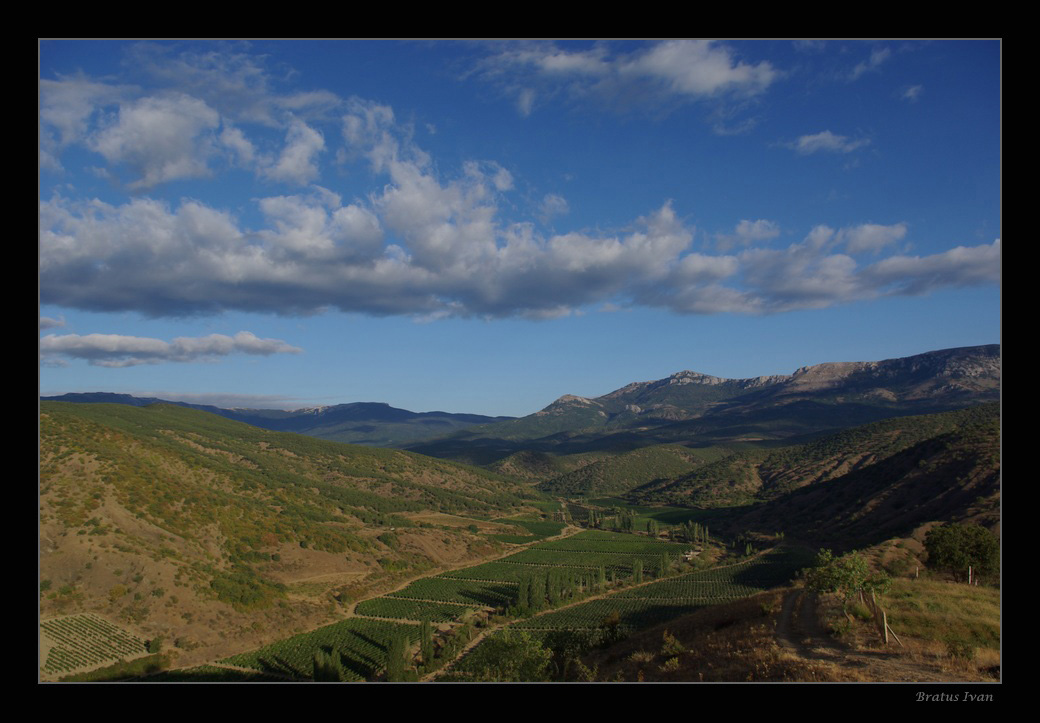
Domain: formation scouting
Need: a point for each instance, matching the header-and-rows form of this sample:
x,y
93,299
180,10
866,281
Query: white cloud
x,y
684,70
877,57
960,266
697,68
872,237
236,140
68,104
553,205
525,101
201,106
233,81
913,93
320,228
749,232
160,138
298,160
48,323
116,350
434,246
827,141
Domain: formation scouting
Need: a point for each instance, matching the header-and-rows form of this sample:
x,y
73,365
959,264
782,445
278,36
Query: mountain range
x,y
687,408
696,409
374,424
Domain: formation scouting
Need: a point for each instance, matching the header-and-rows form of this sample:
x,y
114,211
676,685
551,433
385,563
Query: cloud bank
x,y
116,350
422,242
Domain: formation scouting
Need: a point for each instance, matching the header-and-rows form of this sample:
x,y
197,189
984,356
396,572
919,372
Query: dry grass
x,y
734,642
948,630
738,642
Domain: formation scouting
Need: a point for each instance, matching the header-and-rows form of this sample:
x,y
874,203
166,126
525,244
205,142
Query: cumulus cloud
x,y
230,79
683,70
698,68
749,232
68,105
116,350
160,139
48,323
872,237
426,243
298,160
552,205
829,142
201,109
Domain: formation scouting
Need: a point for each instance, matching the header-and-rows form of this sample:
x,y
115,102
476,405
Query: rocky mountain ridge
x,y
696,409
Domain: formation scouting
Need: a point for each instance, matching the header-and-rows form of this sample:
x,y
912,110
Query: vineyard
x,y
449,596
551,573
646,605
537,529
81,642
643,606
397,608
362,646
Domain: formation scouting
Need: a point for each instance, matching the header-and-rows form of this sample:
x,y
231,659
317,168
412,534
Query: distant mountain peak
x,y
691,377
569,400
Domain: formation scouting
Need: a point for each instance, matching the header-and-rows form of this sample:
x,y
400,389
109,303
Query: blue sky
x,y
485,226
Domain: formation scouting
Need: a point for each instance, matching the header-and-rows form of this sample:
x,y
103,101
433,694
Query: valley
x,y
222,550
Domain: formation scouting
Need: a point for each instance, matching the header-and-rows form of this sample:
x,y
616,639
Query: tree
x,y
845,576
327,667
396,658
514,656
664,565
426,642
955,547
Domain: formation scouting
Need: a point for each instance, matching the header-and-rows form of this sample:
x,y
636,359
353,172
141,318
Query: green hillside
x,y
621,473
761,475
197,528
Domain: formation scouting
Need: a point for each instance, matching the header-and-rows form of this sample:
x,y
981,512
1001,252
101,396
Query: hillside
x,y
761,475
206,531
953,476
620,473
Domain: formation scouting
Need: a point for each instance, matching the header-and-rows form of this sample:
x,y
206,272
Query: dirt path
x,y
488,631
800,633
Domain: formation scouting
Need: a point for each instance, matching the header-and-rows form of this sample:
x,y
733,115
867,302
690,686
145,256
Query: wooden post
x,y
889,630
884,627
969,574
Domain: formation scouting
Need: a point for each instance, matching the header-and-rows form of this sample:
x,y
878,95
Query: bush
x,y
845,576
